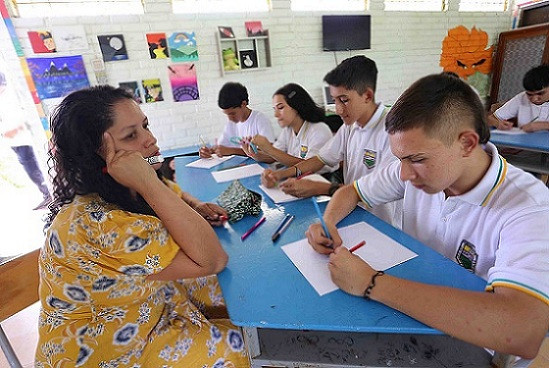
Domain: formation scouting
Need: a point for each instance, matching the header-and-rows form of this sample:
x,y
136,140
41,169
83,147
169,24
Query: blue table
x,y
264,290
537,143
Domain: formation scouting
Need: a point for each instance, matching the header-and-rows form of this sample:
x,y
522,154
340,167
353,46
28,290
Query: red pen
x,y
256,225
359,245
223,218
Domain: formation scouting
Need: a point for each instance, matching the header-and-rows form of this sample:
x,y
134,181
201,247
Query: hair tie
x,y
291,94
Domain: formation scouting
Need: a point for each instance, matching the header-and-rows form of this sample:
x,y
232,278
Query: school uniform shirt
x,y
306,143
363,151
499,229
525,111
257,123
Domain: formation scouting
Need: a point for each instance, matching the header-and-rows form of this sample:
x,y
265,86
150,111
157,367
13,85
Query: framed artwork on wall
x,y
248,59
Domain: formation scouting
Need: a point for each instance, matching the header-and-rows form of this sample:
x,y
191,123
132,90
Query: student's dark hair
x,y
440,105
536,78
77,127
299,99
451,74
231,95
355,73
166,170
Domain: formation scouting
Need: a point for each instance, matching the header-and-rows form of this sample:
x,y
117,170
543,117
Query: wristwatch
x,y
333,188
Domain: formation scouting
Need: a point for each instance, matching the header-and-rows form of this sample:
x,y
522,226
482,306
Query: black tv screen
x,y
345,32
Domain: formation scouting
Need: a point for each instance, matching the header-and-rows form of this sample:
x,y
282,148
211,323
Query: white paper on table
x,y
511,131
380,251
237,173
278,196
208,163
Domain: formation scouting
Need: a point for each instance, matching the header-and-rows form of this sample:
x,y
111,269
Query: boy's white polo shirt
x,y
306,143
525,111
363,151
257,123
499,229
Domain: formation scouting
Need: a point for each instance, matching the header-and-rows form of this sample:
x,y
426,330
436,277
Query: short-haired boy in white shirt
x,y
243,122
531,107
361,143
462,199
303,131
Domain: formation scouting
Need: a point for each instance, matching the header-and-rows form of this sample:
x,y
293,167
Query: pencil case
x,y
239,201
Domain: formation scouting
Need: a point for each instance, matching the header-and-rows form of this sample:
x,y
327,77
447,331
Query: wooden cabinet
x,y
240,55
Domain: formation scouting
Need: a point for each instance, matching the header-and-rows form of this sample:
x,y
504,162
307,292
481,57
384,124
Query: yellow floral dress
x,y
99,310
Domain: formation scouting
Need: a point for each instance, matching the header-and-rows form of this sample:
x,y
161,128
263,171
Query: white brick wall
x,y
405,46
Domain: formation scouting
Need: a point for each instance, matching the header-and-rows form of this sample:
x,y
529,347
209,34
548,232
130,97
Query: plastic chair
x,y
19,285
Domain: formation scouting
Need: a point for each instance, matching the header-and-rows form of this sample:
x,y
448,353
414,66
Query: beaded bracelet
x,y
372,284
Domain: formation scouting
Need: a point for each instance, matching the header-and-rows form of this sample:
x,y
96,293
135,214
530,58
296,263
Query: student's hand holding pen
x,y
245,145
269,178
206,152
504,125
262,143
214,214
320,242
349,272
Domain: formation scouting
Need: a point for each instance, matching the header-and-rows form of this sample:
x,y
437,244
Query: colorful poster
x,y
254,29
225,32
152,90
184,82
133,89
70,38
57,77
158,47
183,46
41,42
113,47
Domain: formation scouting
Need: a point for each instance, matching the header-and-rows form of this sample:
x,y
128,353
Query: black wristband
x,y
297,171
372,284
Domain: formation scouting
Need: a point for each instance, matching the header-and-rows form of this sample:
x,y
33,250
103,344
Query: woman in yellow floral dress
x,y
118,242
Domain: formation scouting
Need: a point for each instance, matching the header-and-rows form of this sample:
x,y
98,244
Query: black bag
x,y
238,201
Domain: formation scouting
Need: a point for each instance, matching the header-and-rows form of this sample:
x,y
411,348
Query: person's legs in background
x,y
27,158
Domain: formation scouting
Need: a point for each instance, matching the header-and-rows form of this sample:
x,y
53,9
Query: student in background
x,y
465,201
13,129
361,143
119,244
530,108
303,131
243,122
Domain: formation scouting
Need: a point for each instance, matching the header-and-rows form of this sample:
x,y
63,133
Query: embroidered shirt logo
x,y
467,256
369,159
303,151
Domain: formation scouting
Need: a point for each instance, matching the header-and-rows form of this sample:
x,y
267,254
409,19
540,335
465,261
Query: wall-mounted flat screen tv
x,y
345,32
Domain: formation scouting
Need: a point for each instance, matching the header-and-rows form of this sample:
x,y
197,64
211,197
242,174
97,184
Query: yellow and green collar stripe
x,y
502,172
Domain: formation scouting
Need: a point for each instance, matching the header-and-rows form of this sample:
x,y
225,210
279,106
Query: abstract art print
x,y
225,32
254,29
57,77
152,90
183,81
70,38
42,42
248,59
183,46
158,46
113,47
133,89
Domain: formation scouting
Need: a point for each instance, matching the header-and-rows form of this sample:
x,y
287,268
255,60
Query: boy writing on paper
x,y
361,143
243,122
464,200
530,108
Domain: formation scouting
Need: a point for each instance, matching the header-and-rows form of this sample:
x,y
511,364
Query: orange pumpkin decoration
x,y
465,53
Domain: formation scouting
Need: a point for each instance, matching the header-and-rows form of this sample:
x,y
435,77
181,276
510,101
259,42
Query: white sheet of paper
x,y
208,163
278,196
513,130
380,251
237,173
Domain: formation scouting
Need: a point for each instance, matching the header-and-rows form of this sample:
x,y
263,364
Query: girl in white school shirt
x,y
303,133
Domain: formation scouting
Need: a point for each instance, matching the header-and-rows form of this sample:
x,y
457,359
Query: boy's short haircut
x,y
356,73
441,105
231,95
536,78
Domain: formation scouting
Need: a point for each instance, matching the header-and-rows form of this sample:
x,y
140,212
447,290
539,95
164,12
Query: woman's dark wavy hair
x,y
77,127
300,100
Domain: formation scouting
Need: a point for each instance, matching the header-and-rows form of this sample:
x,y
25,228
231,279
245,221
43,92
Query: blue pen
x,y
281,225
321,219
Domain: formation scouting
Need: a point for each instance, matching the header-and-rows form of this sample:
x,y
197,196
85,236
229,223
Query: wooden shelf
x,y
252,53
